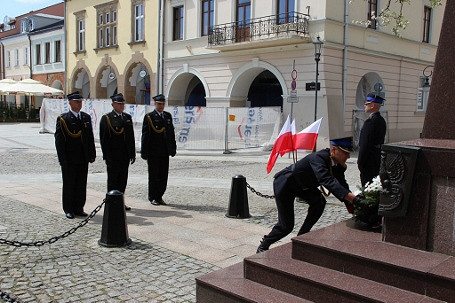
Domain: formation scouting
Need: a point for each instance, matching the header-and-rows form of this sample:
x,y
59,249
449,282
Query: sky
x,y
14,8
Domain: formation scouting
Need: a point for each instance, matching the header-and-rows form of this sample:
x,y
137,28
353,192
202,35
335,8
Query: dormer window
x,y
27,25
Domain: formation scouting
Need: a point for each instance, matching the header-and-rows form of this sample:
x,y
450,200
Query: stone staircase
x,y
338,263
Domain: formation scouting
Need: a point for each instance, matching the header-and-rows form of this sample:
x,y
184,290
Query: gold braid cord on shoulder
x,y
112,128
76,135
159,131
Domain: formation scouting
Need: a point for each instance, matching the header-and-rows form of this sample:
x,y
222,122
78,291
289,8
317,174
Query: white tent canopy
x,y
30,87
4,83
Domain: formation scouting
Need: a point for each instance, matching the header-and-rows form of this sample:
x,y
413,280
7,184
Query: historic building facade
x,y
32,46
261,53
112,47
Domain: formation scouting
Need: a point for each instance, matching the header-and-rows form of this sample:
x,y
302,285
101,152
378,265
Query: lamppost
x,y
426,84
317,56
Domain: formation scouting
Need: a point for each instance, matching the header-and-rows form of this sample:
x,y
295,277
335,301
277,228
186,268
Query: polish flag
x,y
306,139
283,144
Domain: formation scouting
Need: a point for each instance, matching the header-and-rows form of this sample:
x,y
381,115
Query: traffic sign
x,y
293,98
312,86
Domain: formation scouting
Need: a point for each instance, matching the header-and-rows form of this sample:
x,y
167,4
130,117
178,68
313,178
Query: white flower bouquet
x,y
366,210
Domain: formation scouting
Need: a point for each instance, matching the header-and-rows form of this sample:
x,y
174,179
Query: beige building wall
x,y
348,70
126,59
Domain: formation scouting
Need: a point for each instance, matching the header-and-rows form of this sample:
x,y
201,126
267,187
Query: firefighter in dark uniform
x,y
157,144
323,168
75,146
117,144
371,138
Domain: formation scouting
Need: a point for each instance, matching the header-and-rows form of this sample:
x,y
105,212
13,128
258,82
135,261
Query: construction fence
x,y
196,127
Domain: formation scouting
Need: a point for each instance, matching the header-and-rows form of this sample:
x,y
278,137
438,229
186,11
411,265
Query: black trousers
x,y
117,175
74,191
284,199
158,170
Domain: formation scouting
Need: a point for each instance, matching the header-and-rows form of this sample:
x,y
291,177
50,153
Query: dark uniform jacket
x,y
117,137
371,138
158,137
74,139
314,170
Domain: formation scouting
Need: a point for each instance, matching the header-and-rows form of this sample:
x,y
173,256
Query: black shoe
x,y
69,215
127,207
161,202
155,202
81,214
263,246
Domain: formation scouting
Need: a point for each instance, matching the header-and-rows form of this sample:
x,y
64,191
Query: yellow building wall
x,y
119,58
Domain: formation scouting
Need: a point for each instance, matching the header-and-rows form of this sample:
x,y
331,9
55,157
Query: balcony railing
x,y
264,28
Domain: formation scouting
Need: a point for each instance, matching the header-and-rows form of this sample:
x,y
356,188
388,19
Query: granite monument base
x,y
429,223
339,263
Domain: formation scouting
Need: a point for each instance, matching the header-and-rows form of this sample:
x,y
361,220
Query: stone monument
x,y
429,222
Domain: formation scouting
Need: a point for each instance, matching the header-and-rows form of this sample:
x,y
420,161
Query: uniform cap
x,y
345,143
118,98
159,98
74,96
375,98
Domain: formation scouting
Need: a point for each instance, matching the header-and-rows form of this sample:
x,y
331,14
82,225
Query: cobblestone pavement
x,y
75,269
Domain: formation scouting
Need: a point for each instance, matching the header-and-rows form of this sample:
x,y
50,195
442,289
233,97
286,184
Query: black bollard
x,y
114,232
238,202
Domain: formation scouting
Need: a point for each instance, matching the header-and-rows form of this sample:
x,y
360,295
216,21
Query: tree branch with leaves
x,y
388,16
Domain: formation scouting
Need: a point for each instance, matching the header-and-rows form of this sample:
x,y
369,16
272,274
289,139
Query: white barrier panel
x,y
196,127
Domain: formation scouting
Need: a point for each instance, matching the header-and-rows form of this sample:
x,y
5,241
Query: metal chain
x,y
54,239
258,193
6,297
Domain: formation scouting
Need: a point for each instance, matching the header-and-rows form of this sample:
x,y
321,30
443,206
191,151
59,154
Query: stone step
x,y
228,285
275,268
343,248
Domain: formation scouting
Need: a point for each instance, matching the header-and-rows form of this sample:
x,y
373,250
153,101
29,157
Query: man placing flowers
x,y
324,168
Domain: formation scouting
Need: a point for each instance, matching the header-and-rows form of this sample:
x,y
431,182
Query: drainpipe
x,y
159,64
30,54
2,61
345,53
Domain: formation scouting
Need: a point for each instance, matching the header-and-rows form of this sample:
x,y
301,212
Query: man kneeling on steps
x,y
302,179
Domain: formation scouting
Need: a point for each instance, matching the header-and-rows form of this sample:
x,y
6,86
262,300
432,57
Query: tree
x,y
389,16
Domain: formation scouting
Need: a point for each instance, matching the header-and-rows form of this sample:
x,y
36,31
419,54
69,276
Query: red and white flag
x,y
283,144
306,139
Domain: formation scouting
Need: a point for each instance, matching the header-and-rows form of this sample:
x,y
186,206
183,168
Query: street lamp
x,y
426,84
317,56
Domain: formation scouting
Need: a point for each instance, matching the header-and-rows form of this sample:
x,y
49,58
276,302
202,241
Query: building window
x,y
16,57
38,54
178,23
47,54
25,52
243,18
207,16
107,25
426,24
285,10
80,37
138,27
58,51
372,13
8,59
